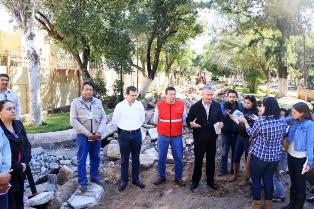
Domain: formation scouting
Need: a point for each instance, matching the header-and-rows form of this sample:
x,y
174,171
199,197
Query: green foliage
x,y
100,86
89,30
253,78
161,30
311,82
112,100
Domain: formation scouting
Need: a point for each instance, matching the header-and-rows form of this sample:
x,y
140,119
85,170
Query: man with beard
x,y
9,94
229,131
202,117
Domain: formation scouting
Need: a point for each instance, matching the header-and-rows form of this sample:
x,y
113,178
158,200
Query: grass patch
x,y
55,122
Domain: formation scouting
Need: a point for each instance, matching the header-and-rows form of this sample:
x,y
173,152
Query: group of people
x,y
263,132
15,149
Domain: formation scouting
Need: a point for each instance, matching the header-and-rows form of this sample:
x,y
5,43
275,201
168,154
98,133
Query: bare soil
x,y
172,196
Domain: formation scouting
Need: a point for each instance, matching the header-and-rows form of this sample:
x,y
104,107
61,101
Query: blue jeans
x,y
242,146
4,201
86,147
130,143
262,170
280,191
228,141
176,144
283,164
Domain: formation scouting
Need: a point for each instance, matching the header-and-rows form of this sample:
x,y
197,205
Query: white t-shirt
x,y
295,153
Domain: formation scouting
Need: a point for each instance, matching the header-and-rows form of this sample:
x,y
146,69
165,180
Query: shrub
x,y
100,86
253,77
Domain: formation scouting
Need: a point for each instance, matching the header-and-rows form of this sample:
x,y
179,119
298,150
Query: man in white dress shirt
x,y
129,115
9,94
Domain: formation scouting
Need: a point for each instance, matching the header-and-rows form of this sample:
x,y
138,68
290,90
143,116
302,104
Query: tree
x,y
86,29
277,15
158,21
23,12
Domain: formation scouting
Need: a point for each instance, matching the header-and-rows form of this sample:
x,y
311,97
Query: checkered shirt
x,y
267,134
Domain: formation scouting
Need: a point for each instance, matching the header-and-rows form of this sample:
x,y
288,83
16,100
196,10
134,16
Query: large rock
x,y
148,158
153,134
40,199
149,116
288,102
53,166
63,193
143,132
113,152
64,175
170,157
52,139
88,199
109,130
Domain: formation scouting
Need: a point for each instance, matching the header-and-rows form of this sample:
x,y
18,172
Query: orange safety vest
x,y
170,118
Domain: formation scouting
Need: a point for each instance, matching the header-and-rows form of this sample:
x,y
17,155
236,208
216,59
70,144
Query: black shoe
x,y
194,186
122,186
311,199
99,182
213,186
159,181
139,184
180,182
289,206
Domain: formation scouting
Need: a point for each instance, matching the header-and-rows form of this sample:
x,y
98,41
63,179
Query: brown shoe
x,y
255,205
267,204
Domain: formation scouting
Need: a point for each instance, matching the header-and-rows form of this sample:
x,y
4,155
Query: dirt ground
x,y
171,196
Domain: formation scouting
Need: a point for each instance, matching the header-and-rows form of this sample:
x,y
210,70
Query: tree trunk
x,y
83,62
146,86
151,67
33,73
268,87
282,87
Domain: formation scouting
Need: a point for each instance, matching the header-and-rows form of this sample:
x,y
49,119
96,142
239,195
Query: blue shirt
x,y
267,134
5,153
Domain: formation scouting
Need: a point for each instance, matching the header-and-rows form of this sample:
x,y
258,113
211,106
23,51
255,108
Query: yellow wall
x,y
10,42
59,81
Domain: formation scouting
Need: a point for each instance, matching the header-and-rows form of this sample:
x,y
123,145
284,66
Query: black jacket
x,y
207,131
16,143
230,127
241,127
